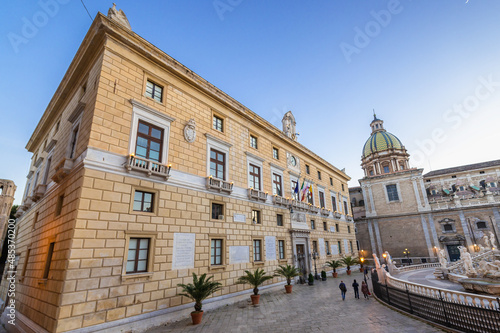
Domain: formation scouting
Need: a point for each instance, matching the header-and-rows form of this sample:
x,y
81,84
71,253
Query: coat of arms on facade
x,y
190,131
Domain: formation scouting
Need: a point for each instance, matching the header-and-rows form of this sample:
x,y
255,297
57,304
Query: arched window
x,y
481,225
371,172
386,168
361,203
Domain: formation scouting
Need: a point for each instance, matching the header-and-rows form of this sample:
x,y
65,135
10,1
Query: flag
x,y
302,187
311,190
304,192
296,189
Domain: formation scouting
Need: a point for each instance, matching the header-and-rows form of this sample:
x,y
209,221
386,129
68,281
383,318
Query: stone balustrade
x,y
147,166
219,185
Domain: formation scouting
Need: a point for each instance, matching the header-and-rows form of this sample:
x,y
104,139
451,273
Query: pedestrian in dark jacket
x,y
355,286
364,289
343,289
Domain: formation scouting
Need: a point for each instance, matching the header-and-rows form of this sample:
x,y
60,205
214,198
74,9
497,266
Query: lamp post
x,y
406,253
315,256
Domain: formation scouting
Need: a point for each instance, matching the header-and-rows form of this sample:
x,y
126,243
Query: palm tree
x,y
349,261
200,289
334,264
254,279
287,272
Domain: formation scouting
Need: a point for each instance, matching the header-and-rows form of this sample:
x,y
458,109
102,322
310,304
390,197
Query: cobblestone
x,y
317,308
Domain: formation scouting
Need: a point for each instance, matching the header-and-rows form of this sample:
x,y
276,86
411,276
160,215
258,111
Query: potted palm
x,y
254,279
334,264
198,291
310,279
323,276
349,261
288,272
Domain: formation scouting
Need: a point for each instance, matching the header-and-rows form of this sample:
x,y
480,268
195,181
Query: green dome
x,y
380,141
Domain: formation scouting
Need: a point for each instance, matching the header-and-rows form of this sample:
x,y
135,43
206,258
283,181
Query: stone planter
x,y
288,288
196,316
255,299
335,274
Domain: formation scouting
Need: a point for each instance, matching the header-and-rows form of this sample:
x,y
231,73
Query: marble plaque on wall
x,y
239,254
270,247
346,246
299,221
183,252
322,251
239,218
335,250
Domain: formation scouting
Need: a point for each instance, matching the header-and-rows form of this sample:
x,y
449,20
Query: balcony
x,y
280,201
336,214
300,206
38,192
257,195
324,212
62,169
147,166
219,185
314,209
349,218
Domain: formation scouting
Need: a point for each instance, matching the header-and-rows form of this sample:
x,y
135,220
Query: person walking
x,y
364,289
355,286
343,289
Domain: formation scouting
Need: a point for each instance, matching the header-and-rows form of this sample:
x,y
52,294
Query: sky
x,y
429,69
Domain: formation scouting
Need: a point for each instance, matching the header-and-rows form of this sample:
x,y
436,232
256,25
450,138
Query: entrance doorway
x,y
454,252
301,260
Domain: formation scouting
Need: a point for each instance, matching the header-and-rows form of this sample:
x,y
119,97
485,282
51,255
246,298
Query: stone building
x,y
7,191
398,209
143,173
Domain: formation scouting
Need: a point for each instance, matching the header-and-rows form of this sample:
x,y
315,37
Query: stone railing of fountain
x,y
410,268
489,302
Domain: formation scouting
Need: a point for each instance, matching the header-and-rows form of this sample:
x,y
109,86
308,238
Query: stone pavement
x,y
426,277
317,308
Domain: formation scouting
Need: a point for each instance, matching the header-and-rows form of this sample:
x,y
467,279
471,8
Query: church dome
x,y
380,141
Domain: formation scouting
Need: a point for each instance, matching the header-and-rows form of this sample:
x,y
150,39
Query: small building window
x,y
343,188
337,228
453,176
315,246
331,181
307,169
253,141
217,164
217,211
447,227
143,201
216,252
59,204
256,216
349,229
334,204
26,261
281,249
277,188
254,176
48,261
346,209
72,145
325,227
392,192
313,225
481,225
319,175
154,91
350,246
149,141
361,203
481,172
321,199
340,247
276,154
257,250
138,253
371,172
218,123
279,220
386,169
327,245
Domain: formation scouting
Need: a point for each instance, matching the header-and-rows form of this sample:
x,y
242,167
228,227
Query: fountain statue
x,y
467,260
486,241
493,240
442,258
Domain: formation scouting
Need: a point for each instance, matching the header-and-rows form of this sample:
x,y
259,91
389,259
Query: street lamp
x,y
315,256
406,253
384,255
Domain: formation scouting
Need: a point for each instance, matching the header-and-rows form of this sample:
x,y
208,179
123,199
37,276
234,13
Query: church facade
x,y
144,173
413,215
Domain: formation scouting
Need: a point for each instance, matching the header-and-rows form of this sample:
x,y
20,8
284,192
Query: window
x,y
481,225
327,245
361,203
319,175
57,126
26,262
334,204
350,246
47,170
401,167
325,227
72,145
217,164
331,181
295,185
453,176
256,216
340,246
277,185
281,249
313,225
392,192
279,220
371,172
253,141
138,253
59,204
276,154
35,219
349,229
481,172
216,252
386,169
307,169
154,91
218,123
315,246
322,199
337,229
48,261
346,209
257,250
254,172
217,211
149,141
343,188
143,201
447,227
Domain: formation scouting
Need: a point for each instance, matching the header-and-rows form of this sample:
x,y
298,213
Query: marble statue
x,y
467,260
486,241
489,269
493,240
377,262
119,17
442,258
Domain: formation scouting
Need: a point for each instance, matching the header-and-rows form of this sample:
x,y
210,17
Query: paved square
x,y
317,308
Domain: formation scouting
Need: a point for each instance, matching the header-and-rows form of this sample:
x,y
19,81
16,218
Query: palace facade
x,y
144,173
413,215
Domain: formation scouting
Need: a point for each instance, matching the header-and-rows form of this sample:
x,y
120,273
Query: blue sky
x,y
430,69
